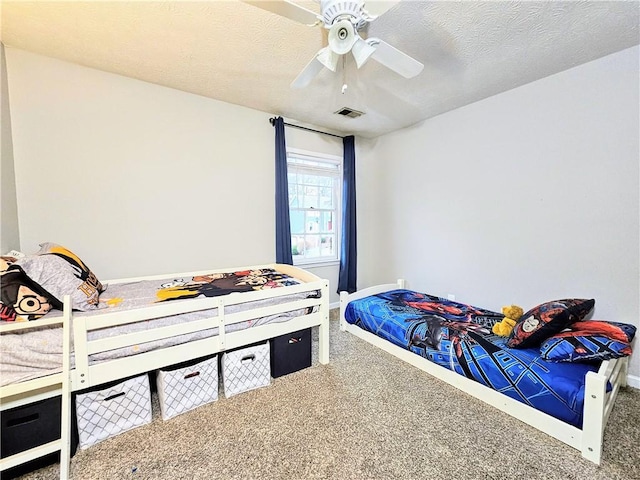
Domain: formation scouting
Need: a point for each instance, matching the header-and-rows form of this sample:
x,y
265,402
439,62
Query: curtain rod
x,y
272,121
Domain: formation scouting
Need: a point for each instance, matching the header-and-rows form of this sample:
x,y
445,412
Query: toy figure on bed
x,y
512,314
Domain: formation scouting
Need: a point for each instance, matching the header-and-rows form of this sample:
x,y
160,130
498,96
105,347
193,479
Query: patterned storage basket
x,y
184,388
105,413
246,369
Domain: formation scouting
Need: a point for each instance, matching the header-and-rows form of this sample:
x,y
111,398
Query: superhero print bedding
x,y
458,337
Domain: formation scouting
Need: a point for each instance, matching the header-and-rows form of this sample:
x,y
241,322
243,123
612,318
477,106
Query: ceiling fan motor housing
x,y
334,9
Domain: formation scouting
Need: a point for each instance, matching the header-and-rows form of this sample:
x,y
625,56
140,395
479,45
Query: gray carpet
x,y
366,415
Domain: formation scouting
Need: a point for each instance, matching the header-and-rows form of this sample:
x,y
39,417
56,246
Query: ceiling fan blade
x,y
308,73
361,51
375,8
328,58
394,59
287,9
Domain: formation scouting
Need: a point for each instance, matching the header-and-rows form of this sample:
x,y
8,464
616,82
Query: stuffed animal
x,y
512,314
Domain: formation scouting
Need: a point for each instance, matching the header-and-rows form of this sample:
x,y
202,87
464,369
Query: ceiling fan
x,y
344,19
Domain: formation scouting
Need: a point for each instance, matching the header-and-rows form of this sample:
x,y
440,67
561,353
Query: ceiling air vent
x,y
349,112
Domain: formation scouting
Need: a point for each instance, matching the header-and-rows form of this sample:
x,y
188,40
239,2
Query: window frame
x,y
337,211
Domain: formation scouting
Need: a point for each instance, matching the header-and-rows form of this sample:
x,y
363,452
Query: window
x,y
315,190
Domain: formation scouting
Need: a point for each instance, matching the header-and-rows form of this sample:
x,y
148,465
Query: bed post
x,y
593,420
65,427
323,342
344,299
624,371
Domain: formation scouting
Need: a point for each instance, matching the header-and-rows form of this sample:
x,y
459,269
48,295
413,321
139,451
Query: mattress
x,y
458,337
37,352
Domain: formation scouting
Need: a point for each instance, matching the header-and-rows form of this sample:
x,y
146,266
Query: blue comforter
x,y
459,337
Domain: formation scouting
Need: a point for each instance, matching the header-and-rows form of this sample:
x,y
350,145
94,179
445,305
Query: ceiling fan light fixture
x,y
328,58
342,36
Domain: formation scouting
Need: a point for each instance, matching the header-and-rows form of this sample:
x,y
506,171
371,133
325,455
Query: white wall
x,y
520,198
9,236
141,179
524,197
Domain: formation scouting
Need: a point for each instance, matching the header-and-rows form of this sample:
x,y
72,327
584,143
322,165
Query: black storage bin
x,y
290,352
32,425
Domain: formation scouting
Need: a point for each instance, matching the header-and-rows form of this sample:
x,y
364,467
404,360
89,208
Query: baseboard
x,y
334,305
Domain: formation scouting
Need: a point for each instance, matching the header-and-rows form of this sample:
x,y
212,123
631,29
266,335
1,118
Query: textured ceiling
x,y
237,53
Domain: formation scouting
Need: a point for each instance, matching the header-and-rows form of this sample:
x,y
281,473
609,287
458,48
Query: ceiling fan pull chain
x,y
344,74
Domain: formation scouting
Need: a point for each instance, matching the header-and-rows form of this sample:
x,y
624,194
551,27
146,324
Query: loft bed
x,y
596,390
206,324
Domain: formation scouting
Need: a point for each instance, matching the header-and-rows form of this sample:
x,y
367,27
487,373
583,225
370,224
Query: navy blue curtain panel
x,y
283,224
348,253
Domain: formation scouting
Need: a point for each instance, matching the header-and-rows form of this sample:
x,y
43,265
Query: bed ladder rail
x,y
45,390
65,417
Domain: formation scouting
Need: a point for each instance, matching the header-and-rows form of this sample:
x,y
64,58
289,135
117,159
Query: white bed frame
x,y
85,375
597,401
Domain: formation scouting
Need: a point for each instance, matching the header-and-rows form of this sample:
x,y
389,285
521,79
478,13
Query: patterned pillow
x,y
60,272
21,299
589,340
547,319
5,262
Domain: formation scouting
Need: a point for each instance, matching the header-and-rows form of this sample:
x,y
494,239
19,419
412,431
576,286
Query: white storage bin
x,y
181,389
113,410
246,369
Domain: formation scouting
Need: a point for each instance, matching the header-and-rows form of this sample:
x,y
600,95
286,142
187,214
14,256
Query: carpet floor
x,y
365,415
